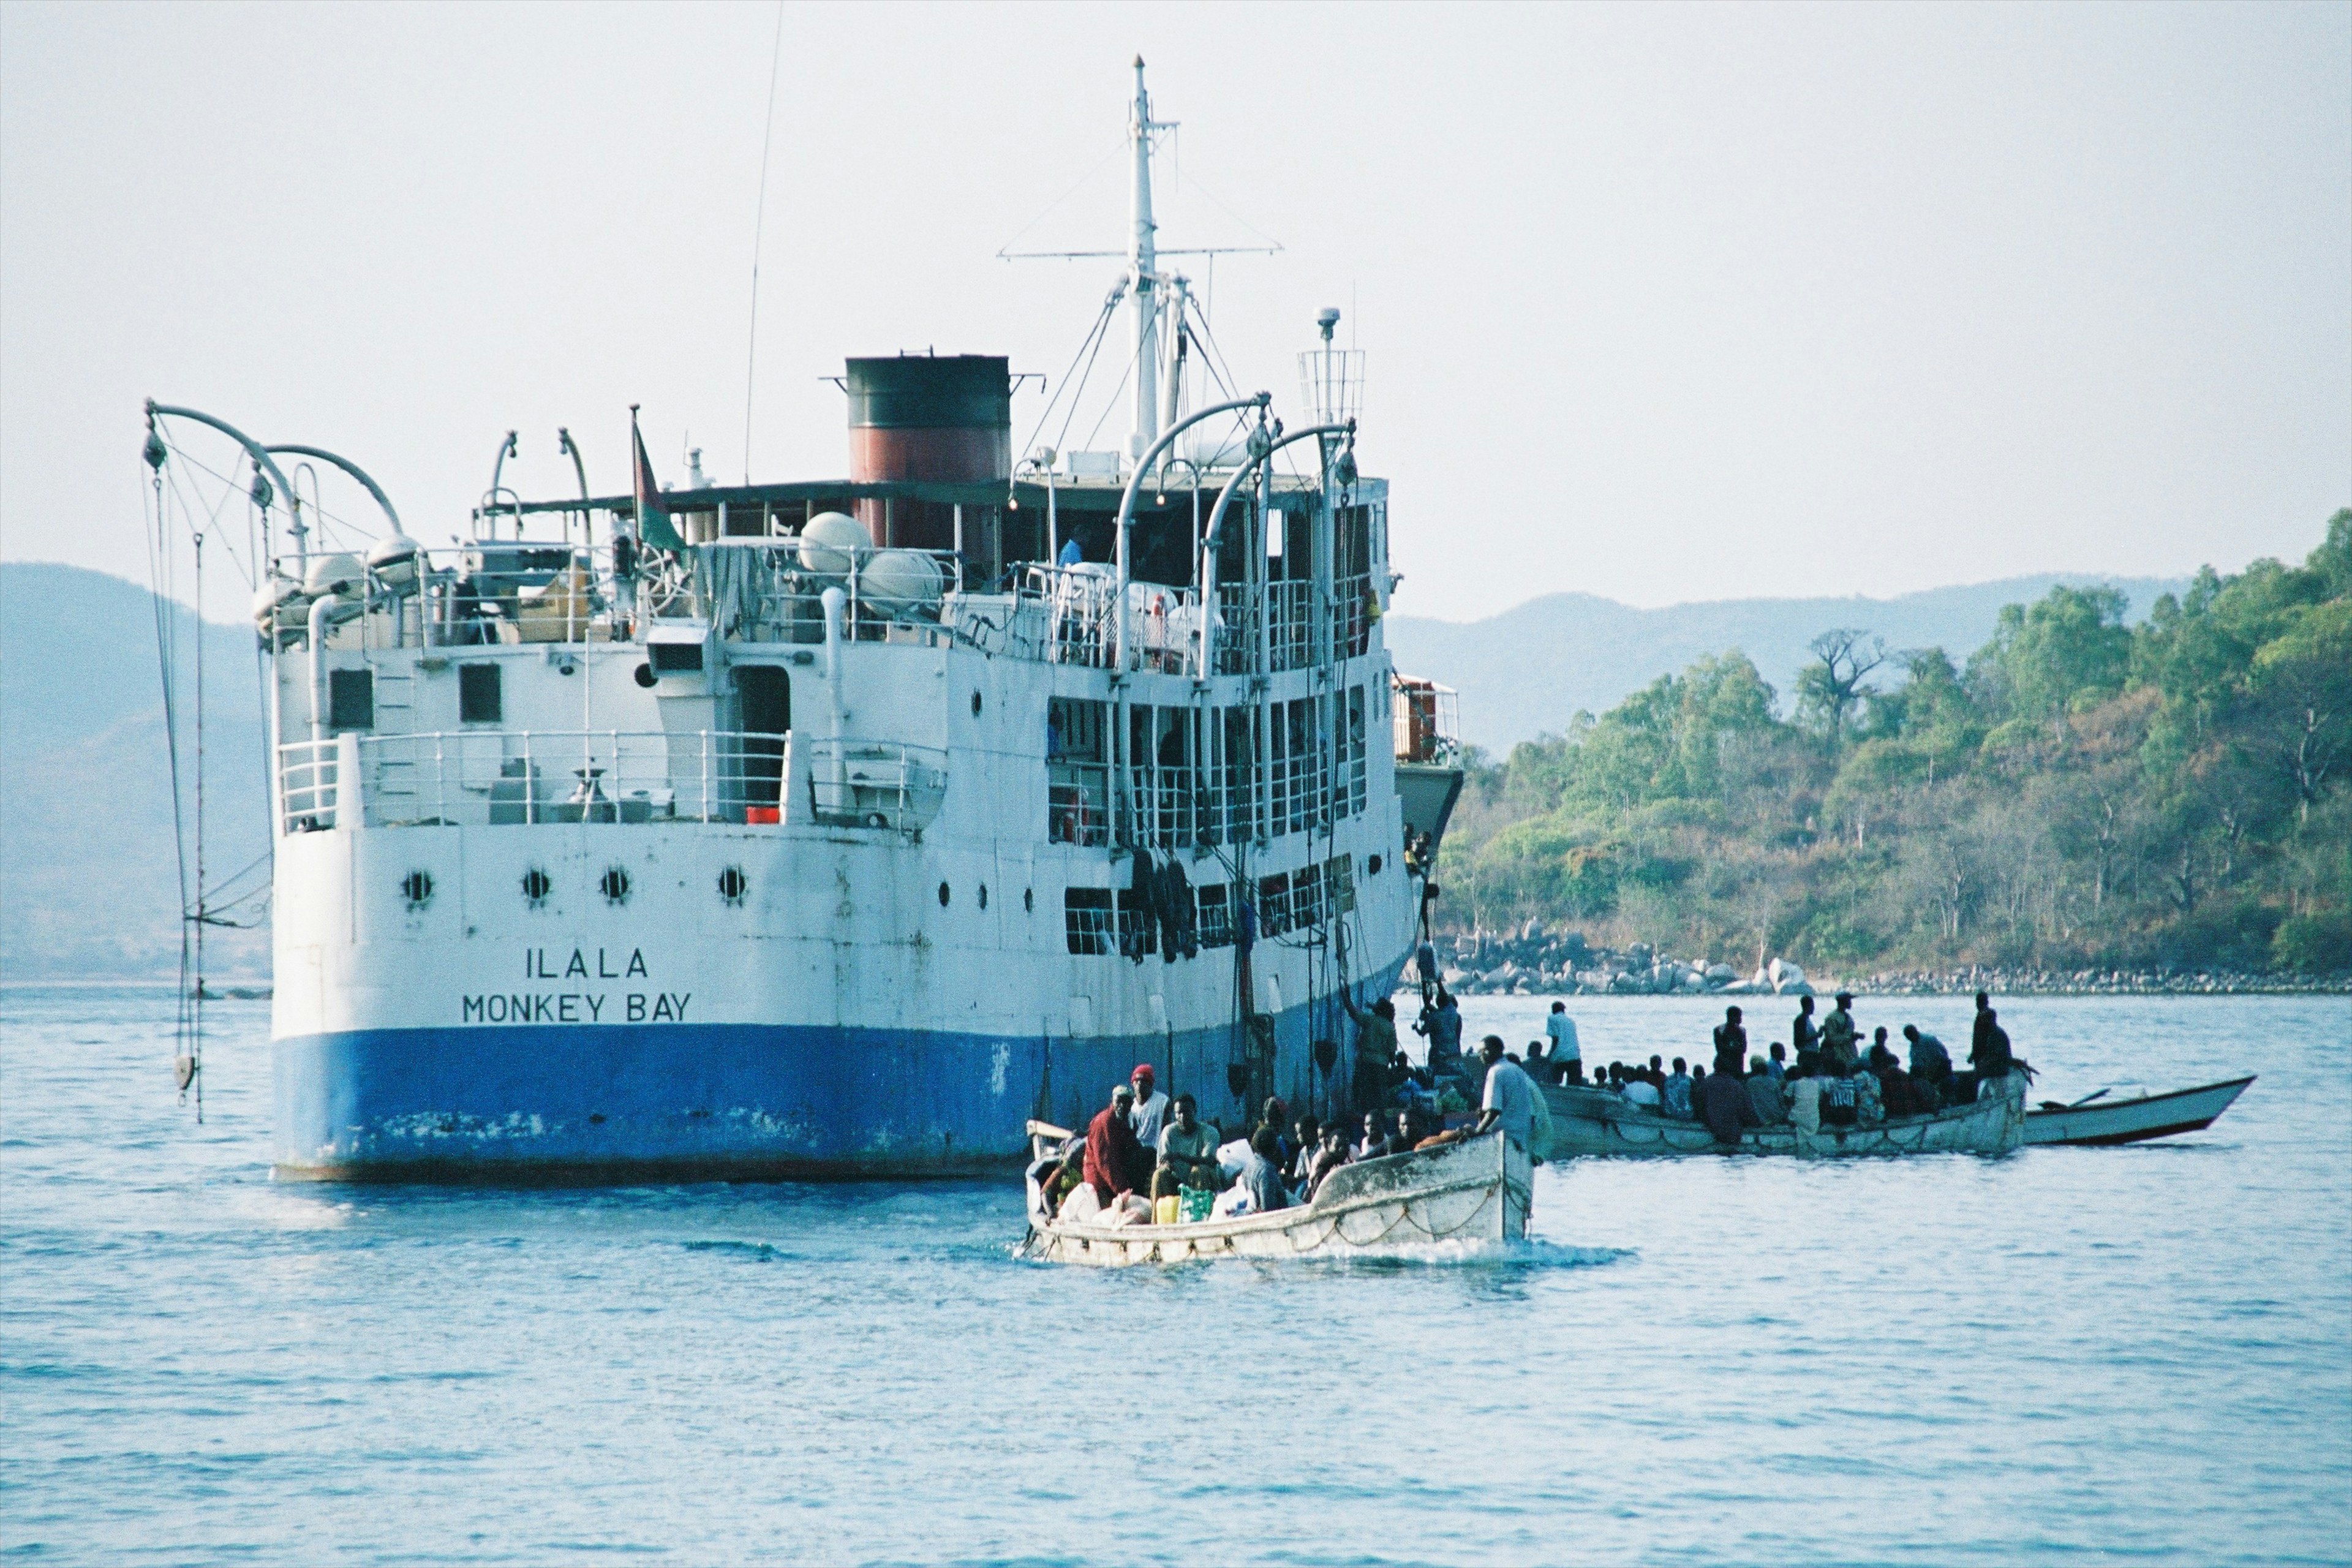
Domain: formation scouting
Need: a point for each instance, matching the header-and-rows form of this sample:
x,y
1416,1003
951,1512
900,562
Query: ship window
x,y
1217,923
1273,906
1340,884
480,700
674,657
1086,919
351,699
1307,896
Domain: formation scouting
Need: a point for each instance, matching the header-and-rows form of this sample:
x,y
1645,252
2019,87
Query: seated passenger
x,y
1115,1162
1805,1104
1375,1140
1900,1093
1837,1100
1676,1097
1725,1107
1869,1109
1639,1091
1931,1064
1328,1156
1260,1178
1657,1074
1778,1066
1767,1093
1066,1176
1188,1152
1306,1137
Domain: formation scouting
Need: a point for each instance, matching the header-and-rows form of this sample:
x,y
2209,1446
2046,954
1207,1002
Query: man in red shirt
x,y
1113,1156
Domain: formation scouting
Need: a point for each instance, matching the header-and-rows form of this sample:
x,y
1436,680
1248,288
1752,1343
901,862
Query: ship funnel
x,y
941,419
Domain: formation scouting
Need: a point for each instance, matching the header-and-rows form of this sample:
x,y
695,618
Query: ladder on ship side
x,y
394,776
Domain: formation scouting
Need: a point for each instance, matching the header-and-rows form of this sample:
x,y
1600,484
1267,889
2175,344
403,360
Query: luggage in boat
x,y
1168,1210
1197,1201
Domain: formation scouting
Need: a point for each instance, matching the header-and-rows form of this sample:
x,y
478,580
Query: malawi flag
x,y
653,517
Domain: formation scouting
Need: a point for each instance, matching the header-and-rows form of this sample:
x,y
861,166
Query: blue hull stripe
x,y
668,1101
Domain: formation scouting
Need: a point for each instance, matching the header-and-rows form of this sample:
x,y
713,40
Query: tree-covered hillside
x,y
2076,792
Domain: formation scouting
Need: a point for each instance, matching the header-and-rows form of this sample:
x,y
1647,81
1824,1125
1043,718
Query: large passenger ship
x,y
839,827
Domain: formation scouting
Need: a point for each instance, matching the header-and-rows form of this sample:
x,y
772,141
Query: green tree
x,y
2067,650
1830,690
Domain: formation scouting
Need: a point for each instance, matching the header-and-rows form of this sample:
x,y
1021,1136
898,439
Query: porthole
x,y
644,674
983,895
1373,865
418,889
733,884
975,704
1028,900
536,885
943,895
614,886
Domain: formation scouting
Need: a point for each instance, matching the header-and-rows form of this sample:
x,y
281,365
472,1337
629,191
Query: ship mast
x,y
1143,265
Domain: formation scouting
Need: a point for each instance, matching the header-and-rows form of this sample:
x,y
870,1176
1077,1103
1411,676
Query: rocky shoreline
x,y
1530,962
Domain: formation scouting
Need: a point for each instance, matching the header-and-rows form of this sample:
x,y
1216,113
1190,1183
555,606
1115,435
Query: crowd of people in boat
x,y
1147,1158
1835,1080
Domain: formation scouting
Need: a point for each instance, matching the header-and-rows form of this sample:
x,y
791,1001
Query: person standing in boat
x,y
1731,1035
1151,1112
1567,1057
1441,1024
1376,1043
1990,1057
1511,1101
1805,1038
1838,1056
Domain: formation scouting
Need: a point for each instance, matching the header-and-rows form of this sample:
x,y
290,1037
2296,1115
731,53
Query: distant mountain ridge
x,y
1527,671
89,870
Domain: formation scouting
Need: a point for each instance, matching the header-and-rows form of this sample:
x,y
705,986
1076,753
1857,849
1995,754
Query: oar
x,y
2087,1098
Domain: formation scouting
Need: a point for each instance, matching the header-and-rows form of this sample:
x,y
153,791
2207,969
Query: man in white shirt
x,y
1150,1110
1565,1056
1512,1101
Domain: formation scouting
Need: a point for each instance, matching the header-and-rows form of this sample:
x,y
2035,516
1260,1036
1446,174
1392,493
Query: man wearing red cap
x,y
1150,1108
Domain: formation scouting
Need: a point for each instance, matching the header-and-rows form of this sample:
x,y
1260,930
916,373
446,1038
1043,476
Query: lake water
x,y
2137,1354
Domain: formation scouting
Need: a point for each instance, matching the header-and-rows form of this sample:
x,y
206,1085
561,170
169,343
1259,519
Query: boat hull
x,y
1587,1122
2135,1121
1481,1191
689,1101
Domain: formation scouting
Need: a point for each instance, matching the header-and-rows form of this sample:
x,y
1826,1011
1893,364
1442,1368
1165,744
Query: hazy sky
x,y
1662,303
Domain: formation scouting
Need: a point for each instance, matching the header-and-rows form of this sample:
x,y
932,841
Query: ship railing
x,y
1078,799
1081,619
876,784
1288,609
526,777
762,590
548,591
490,590
1426,719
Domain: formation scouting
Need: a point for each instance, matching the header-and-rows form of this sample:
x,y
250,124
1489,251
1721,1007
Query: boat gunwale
x,y
1781,1138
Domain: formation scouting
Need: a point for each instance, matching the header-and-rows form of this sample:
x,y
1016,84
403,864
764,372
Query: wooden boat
x,y
1594,1121
2130,1119
1480,1190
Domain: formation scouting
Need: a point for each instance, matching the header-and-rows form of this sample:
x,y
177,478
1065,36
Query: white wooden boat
x,y
1481,1190
2108,1118
1596,1121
